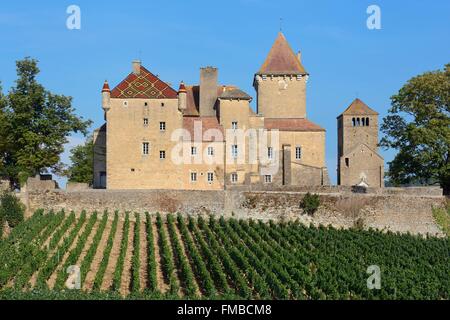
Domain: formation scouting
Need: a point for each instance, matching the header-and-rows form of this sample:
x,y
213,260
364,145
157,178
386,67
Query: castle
x,y
207,137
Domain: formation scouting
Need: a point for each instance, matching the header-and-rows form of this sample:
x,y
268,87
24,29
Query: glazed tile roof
x,y
281,59
357,107
291,124
144,85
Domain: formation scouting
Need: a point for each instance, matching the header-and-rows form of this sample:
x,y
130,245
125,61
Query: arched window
x,y
358,122
353,122
367,121
363,122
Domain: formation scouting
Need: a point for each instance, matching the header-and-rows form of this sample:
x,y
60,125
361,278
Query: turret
x,y
182,97
106,96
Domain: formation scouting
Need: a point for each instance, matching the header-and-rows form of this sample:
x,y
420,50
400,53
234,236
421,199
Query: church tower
x,y
280,83
359,162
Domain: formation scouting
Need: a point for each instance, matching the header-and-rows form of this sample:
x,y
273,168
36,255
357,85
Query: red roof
x,y
105,87
288,124
144,85
281,59
358,107
206,123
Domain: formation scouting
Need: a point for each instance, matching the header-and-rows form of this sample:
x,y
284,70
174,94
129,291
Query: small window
x,y
268,178
367,121
353,122
193,151
193,176
145,148
234,125
234,177
358,122
145,121
162,104
145,104
347,162
125,103
210,177
210,151
363,121
234,151
270,153
162,154
162,126
298,153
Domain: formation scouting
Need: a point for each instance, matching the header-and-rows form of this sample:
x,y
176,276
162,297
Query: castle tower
x,y
359,162
280,83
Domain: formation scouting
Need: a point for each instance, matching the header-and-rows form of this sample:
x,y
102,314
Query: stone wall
x,y
343,209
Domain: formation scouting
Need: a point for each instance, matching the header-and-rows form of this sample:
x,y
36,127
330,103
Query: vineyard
x,y
160,257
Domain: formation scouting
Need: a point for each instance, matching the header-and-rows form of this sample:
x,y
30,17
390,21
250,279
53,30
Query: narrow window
x,y
145,104
353,122
162,154
125,103
347,162
193,151
210,177
268,178
145,148
367,121
234,151
358,123
270,152
210,151
193,176
145,121
162,126
298,153
363,120
234,177
162,104
234,125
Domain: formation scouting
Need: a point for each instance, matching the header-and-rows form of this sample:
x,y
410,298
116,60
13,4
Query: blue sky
x,y
175,38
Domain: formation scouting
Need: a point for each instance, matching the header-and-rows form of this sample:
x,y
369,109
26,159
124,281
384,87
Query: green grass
x,y
442,216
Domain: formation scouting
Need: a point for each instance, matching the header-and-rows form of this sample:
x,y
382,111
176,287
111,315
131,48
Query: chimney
x,y
106,96
299,56
182,97
208,91
136,66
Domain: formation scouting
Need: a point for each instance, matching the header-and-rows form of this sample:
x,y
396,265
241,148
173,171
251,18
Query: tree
x,y
82,167
35,126
418,126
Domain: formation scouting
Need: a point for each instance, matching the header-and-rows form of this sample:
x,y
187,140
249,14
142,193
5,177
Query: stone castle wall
x,y
382,209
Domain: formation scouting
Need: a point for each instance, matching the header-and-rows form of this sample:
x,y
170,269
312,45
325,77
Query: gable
x,y
144,85
366,148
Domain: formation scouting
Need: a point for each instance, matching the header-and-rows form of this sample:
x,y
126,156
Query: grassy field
x,y
150,256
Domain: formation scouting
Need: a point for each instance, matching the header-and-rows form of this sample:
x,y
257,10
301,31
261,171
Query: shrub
x,y
11,209
310,203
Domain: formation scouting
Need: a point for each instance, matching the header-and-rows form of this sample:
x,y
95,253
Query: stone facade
x,y
384,209
206,136
359,162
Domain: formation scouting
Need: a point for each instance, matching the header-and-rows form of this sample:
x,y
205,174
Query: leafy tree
x,y
418,126
82,167
34,126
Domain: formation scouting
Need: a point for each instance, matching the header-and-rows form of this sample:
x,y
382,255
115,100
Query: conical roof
x,y
281,59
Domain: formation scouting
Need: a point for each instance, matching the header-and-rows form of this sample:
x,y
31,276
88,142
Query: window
x,y
162,126
358,122
193,151
363,120
193,176
347,162
367,121
268,178
234,177
298,153
210,151
145,104
145,148
162,154
145,121
125,103
270,152
353,122
234,151
162,104
210,177
234,125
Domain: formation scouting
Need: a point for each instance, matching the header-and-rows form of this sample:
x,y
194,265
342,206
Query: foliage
x,y
442,217
418,126
222,259
82,163
310,203
34,126
11,209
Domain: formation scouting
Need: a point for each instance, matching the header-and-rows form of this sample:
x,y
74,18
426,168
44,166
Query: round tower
x,y
106,96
